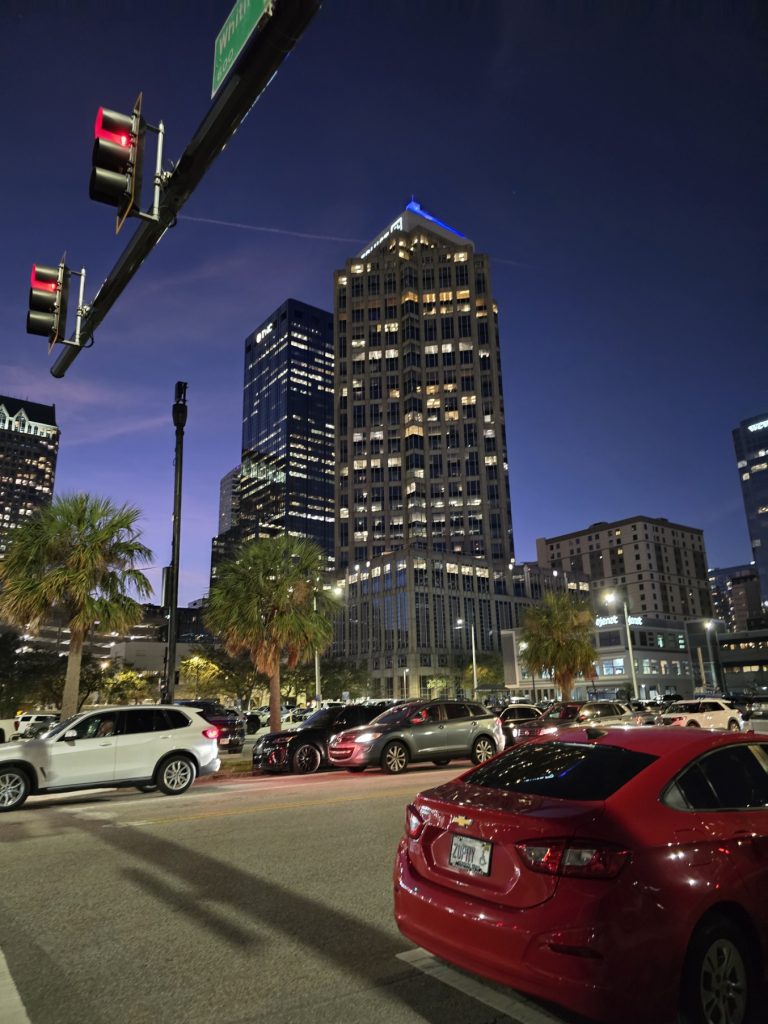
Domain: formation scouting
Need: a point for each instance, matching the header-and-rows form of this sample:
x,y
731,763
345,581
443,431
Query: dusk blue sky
x,y
613,165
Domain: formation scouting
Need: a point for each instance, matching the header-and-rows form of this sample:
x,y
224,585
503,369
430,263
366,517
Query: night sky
x,y
613,165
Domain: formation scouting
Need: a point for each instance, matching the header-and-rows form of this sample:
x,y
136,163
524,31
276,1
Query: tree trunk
x,y
72,681
274,700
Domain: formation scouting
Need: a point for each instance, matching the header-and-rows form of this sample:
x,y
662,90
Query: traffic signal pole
x,y
258,62
179,412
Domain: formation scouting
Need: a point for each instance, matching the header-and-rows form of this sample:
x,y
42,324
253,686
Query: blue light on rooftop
x,y
415,207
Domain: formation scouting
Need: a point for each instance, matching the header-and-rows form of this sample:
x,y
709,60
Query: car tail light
x,y
574,858
211,733
414,823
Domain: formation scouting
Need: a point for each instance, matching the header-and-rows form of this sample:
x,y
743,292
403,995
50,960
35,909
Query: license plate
x,y
470,854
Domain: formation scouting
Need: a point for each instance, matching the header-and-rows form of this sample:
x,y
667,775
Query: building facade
x,y
29,446
284,484
736,597
424,534
750,441
656,567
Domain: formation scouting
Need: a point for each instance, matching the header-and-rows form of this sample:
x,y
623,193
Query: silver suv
x,y
148,747
436,730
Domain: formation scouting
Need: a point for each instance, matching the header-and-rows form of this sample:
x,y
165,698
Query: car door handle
x,y
105,744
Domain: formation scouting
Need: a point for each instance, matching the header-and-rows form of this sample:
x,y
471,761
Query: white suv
x,y
30,718
705,712
157,746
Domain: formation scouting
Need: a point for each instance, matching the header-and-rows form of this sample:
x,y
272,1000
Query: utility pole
x,y
179,411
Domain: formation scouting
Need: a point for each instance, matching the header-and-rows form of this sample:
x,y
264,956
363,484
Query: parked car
x,y
512,717
621,874
305,749
36,729
253,722
162,746
437,731
29,718
575,714
229,723
704,713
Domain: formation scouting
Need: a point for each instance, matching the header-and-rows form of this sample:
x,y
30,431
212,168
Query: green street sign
x,y
242,21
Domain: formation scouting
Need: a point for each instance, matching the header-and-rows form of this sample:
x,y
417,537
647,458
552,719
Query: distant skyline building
x,y
29,446
424,531
736,597
284,483
657,567
750,441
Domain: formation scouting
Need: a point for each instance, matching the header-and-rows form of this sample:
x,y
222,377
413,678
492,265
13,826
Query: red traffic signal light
x,y
48,295
117,158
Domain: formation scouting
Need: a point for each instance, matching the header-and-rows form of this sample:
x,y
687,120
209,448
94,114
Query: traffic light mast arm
x,y
258,63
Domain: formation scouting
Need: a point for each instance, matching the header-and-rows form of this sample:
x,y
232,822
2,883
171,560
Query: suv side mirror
x,y
70,734
418,719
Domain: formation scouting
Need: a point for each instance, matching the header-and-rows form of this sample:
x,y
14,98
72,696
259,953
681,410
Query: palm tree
x,y
558,637
78,557
268,604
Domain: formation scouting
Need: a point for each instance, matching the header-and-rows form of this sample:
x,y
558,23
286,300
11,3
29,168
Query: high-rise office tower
x,y
29,445
285,480
424,532
750,439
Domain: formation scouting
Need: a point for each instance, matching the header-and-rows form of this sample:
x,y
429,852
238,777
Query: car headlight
x,y
367,737
259,745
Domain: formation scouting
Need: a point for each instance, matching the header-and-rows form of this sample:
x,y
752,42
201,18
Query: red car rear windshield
x,y
568,771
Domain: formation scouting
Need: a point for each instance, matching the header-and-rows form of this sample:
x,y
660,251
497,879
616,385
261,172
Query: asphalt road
x,y
250,900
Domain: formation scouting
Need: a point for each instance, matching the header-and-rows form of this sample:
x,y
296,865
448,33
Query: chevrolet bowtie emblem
x,y
461,820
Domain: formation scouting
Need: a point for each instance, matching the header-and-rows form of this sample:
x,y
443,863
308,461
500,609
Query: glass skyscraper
x,y
29,446
285,480
750,440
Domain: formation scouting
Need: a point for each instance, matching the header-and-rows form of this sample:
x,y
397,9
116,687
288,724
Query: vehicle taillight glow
x,y
211,733
574,858
414,823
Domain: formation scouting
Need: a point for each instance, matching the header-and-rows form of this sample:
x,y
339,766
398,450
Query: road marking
x,y
284,806
516,1007
10,1000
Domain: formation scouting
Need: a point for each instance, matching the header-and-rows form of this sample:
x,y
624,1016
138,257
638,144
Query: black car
x,y
305,749
227,720
512,716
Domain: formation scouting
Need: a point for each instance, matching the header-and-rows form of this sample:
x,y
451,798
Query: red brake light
x,y
211,733
414,823
574,858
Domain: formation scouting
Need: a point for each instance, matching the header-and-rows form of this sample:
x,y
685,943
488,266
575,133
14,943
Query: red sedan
x,y
622,873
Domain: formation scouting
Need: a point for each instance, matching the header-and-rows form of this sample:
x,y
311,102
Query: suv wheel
x,y
483,749
395,758
175,775
692,725
733,726
306,759
14,788
717,976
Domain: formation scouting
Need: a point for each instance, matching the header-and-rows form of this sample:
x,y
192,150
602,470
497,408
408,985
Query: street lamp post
x,y
405,684
709,626
610,598
179,413
318,687
460,622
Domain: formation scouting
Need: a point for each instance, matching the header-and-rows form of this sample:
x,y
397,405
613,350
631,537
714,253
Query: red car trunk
x,y
474,851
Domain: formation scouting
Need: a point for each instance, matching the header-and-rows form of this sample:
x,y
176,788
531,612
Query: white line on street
x,y
516,1007
10,1000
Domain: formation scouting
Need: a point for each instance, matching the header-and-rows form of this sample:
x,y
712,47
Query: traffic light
x,y
48,302
118,152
